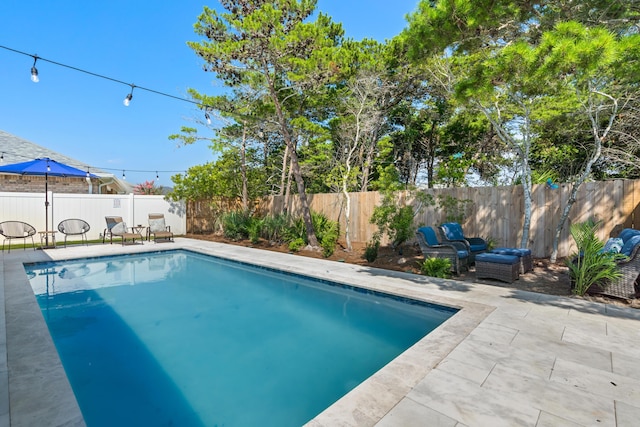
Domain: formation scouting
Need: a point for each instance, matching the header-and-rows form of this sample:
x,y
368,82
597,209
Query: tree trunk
x,y
597,151
295,166
283,175
243,168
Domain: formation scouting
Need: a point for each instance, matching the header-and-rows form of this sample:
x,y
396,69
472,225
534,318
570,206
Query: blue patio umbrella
x,y
45,167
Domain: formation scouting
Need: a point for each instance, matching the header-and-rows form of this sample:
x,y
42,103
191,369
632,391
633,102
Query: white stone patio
x,y
506,358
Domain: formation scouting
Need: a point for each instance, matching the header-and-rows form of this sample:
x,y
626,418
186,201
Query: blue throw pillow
x,y
629,245
613,245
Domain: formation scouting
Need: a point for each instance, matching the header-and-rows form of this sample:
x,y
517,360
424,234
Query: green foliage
x,y
297,244
254,229
590,265
436,267
274,227
452,171
235,225
491,242
327,232
371,250
455,210
394,217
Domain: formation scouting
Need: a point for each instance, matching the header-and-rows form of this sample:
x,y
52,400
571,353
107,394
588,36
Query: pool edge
x,y
347,410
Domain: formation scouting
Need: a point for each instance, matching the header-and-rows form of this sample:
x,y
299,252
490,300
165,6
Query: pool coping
x,y
34,389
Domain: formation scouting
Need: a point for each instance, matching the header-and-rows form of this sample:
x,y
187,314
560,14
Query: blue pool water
x,y
183,339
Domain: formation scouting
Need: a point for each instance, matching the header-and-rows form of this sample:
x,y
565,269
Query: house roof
x,y
16,150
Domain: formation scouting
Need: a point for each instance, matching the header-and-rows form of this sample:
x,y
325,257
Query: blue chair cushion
x,y
511,251
628,233
452,230
429,235
498,258
630,244
463,254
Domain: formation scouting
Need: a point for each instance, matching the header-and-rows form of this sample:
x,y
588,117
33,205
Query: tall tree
x,y
271,42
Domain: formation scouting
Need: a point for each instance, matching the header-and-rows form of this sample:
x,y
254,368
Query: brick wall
x,y
36,184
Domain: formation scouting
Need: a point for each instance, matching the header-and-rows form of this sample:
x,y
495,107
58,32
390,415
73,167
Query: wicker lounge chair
x,y
431,246
629,267
158,229
74,227
118,228
16,230
452,232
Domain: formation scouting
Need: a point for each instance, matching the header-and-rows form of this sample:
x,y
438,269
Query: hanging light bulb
x,y
127,99
157,177
34,71
88,174
48,166
2,157
206,116
123,176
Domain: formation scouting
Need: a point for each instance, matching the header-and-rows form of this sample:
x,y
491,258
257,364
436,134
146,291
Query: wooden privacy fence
x,y
492,212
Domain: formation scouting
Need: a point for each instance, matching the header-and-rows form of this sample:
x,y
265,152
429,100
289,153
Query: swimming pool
x,y
189,339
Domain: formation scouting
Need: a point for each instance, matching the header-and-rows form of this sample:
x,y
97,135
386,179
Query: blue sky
x,y
138,42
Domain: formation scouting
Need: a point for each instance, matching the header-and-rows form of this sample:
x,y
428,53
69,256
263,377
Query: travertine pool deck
x,y
507,358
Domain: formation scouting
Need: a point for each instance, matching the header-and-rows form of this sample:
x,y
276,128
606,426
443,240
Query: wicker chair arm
x,y
476,240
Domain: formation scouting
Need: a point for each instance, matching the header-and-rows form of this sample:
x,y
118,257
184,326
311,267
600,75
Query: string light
x,y
157,177
48,166
207,117
2,157
34,77
127,99
34,70
123,176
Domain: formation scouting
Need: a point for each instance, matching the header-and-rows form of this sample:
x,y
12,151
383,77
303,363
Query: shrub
x,y
327,232
296,245
436,267
590,265
274,227
254,228
371,250
235,225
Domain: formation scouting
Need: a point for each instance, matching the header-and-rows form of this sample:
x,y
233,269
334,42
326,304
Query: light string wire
x,y
95,168
202,106
131,85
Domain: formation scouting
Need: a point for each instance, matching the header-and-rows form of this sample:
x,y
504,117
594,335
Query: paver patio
x,y
507,358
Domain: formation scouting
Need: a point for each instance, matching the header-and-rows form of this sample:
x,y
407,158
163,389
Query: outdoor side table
x,y
138,229
52,238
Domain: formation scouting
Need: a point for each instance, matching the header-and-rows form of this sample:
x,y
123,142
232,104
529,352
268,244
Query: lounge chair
x,y
16,230
74,227
118,228
158,229
452,232
629,267
431,246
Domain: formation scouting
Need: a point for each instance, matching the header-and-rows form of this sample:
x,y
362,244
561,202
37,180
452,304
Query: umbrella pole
x,y
46,210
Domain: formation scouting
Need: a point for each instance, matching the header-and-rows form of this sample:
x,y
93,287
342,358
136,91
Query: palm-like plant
x,y
590,265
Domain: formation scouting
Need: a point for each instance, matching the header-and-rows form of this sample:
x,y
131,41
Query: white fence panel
x,y
134,210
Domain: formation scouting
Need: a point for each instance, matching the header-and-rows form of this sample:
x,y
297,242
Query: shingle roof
x,y
16,150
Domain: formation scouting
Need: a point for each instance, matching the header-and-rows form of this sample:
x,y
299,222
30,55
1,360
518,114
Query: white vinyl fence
x,y
134,210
